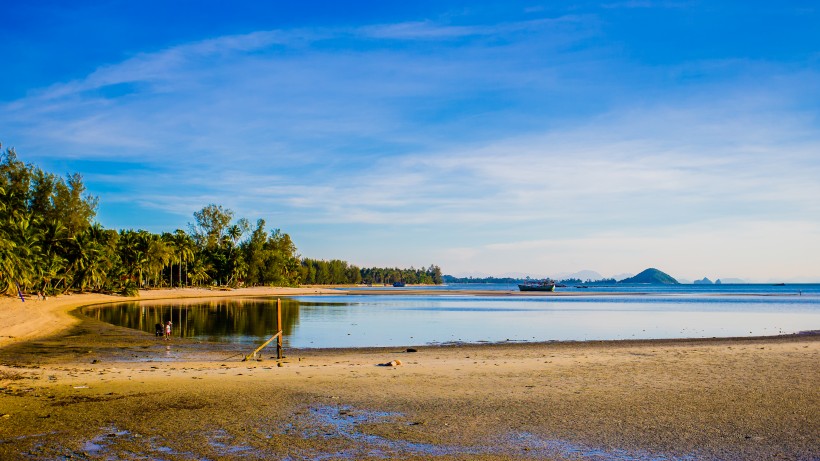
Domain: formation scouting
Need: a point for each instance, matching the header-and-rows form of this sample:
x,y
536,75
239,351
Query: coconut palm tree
x,y
159,255
91,257
22,254
185,247
131,247
199,271
55,241
171,244
84,259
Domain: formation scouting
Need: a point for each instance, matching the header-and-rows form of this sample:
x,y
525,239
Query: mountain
x,y
704,281
651,276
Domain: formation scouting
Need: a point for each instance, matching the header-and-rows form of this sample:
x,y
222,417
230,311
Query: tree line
x,y
50,243
331,272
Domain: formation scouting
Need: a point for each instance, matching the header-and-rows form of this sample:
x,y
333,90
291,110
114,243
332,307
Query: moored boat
x,y
540,285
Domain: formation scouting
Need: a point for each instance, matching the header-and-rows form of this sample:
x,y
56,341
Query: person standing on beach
x,y
168,331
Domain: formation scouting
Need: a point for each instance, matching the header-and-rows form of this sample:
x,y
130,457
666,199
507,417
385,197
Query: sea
x,y
486,313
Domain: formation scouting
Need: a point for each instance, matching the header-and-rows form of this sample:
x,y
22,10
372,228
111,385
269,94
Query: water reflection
x,y
215,320
357,321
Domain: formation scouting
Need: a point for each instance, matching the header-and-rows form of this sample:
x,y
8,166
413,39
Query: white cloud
x,y
480,143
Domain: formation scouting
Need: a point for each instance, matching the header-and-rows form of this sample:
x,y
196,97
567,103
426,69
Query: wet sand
x,y
82,389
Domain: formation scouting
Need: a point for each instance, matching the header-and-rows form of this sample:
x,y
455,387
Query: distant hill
x,y
704,281
653,277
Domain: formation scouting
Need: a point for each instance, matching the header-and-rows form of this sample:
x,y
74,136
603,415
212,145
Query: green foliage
x,y
211,224
130,289
270,258
50,244
43,221
336,272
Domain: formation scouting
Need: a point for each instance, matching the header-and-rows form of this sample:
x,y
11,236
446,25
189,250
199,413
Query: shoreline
x,y
99,391
36,319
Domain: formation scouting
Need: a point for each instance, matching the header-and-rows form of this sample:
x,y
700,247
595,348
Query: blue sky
x,y
485,137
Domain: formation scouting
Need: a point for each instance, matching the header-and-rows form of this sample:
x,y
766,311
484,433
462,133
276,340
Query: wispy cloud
x,y
632,4
432,30
522,137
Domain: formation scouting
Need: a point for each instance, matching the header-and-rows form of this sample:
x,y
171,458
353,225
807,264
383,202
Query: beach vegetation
x,y
50,243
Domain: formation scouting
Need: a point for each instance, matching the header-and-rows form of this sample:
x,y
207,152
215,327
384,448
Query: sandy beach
x,y
76,388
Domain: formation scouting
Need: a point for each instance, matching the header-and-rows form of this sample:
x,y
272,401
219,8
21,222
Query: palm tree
x,y
199,272
159,255
55,243
234,233
88,259
132,247
24,256
6,245
171,243
185,247
98,255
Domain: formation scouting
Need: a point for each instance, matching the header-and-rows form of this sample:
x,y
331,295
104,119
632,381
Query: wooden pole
x,y
253,354
277,336
279,328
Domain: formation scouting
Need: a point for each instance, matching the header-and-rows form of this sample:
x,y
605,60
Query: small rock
x,y
95,361
280,364
410,349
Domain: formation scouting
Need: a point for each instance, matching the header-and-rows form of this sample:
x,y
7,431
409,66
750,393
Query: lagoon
x,y
374,319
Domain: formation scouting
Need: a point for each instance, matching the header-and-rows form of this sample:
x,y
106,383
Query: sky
x,y
488,138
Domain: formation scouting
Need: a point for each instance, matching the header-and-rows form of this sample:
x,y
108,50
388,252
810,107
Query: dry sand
x,y
75,388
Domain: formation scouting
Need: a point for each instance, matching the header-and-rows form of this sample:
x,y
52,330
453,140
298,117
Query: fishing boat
x,y
538,285
398,284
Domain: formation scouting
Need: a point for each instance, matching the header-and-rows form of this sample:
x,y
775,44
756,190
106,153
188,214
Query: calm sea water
x,y
740,288
358,320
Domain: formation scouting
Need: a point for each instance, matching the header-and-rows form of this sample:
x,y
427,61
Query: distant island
x,y
652,276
